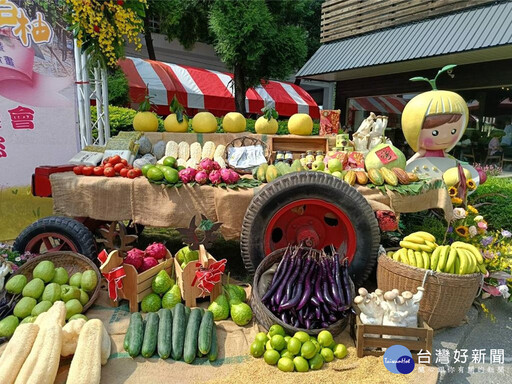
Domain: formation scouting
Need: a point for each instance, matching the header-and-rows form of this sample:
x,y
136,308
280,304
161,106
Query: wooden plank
x,y
333,5
395,331
385,343
360,340
298,144
356,14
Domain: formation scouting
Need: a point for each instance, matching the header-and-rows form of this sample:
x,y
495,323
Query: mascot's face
x,y
441,137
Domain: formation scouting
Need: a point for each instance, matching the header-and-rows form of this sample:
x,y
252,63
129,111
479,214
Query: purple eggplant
x,y
327,297
318,284
276,299
308,323
296,323
332,318
332,283
346,282
338,279
318,313
315,301
294,301
278,276
292,282
324,324
308,286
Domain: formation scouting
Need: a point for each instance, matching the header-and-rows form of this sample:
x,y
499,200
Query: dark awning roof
x,y
475,35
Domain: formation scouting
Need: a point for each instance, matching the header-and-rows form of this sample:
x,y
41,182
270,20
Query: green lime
x,y
327,354
302,336
257,349
294,345
286,338
271,356
287,353
308,350
325,338
285,364
316,344
316,362
145,168
277,342
276,329
340,351
171,175
180,167
261,336
268,346
333,344
170,161
301,364
155,174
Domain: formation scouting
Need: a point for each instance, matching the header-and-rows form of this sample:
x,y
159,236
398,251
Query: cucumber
x,y
178,331
205,333
202,311
126,343
187,312
191,334
150,335
212,355
136,331
164,345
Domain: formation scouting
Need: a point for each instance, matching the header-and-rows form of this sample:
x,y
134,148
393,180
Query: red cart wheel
x,y
50,242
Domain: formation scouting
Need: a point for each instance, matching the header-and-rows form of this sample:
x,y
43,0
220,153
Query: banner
x,y
38,119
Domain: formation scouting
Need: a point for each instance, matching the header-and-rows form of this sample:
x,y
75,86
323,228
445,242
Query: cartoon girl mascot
x,y
434,121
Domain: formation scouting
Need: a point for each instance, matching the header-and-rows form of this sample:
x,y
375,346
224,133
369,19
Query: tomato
x,y
105,160
123,172
87,171
132,174
109,172
115,159
118,167
78,169
124,161
98,171
108,165
138,171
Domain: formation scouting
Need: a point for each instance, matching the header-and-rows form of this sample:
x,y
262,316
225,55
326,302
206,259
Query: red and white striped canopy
x,y
379,104
203,89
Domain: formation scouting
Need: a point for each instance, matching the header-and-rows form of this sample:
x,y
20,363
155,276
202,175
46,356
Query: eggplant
x,y
296,323
278,276
324,324
332,318
318,284
346,282
294,301
276,299
315,301
308,323
338,279
308,285
318,312
325,289
332,284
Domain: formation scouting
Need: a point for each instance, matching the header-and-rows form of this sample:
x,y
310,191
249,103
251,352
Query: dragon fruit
x,y
206,165
156,250
187,175
216,165
147,263
226,175
201,177
134,257
215,177
234,177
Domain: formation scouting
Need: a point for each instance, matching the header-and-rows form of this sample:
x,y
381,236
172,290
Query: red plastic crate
x,y
41,185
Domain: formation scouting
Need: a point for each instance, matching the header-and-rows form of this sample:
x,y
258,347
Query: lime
x,y
276,329
308,350
302,336
145,168
287,338
277,342
285,364
257,349
325,338
271,356
294,345
180,167
316,362
268,346
261,336
301,364
170,161
340,351
287,353
316,344
333,344
327,354
155,174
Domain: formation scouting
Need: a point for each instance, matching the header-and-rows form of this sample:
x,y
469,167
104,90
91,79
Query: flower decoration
x,y
456,200
482,225
452,191
471,184
472,231
459,213
478,218
462,231
472,209
506,234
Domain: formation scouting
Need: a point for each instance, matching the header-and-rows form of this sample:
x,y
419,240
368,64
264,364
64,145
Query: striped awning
x,y
379,104
203,89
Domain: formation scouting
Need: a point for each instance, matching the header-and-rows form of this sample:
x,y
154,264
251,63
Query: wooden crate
x,y
370,342
185,277
297,144
136,285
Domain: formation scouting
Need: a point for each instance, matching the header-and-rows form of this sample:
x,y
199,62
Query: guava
x,y
75,280
73,307
8,326
241,313
34,288
41,307
16,284
61,276
84,297
44,270
52,292
89,281
151,303
24,307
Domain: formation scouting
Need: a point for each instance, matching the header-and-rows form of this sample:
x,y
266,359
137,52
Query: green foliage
x,y
121,119
426,221
495,196
118,88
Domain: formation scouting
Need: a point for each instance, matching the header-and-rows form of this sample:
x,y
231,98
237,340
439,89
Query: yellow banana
x,y
443,258
471,248
396,255
403,256
435,258
472,264
456,265
463,262
425,235
414,239
426,260
411,257
481,268
410,245
451,259
419,259
452,269
431,245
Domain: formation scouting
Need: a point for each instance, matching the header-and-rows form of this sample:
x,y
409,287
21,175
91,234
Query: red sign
x,y
386,155
22,117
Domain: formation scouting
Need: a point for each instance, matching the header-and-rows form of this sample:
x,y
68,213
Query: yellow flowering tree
x,y
102,27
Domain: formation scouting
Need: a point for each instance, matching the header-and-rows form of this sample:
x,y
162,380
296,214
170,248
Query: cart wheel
x,y
315,209
55,233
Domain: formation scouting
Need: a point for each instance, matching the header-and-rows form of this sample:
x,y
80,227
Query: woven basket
x,y
447,297
245,141
266,318
71,262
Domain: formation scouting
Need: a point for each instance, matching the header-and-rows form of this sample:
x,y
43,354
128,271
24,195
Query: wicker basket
x,y
245,141
71,262
266,318
447,297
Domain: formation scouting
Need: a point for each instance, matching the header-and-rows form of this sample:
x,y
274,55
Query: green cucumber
x,y
191,334
150,335
202,311
126,343
179,323
205,333
212,355
136,331
164,345
187,312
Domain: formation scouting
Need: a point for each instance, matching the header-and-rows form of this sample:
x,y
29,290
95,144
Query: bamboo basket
x,y
245,141
266,318
71,262
447,297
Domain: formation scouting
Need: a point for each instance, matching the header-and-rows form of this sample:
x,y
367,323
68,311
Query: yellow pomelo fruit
x,y
300,124
266,127
234,122
145,122
204,122
171,124
451,176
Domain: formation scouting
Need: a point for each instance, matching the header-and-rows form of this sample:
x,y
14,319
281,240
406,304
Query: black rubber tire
x,y
76,232
304,185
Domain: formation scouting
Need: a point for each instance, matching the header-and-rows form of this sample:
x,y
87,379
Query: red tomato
x,y
115,159
124,161
98,171
78,169
105,160
132,174
118,167
108,165
123,172
138,171
87,171
109,172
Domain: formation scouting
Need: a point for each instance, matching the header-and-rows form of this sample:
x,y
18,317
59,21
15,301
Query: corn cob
x,y
219,151
171,149
183,151
208,150
195,151
221,161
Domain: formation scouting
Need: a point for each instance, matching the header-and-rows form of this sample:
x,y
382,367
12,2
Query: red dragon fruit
x,y
215,177
201,177
147,263
234,177
226,175
481,174
156,250
216,165
206,165
134,257
187,175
